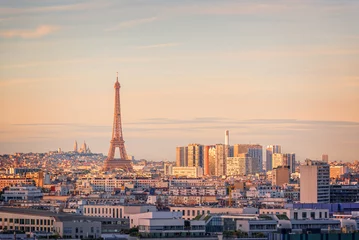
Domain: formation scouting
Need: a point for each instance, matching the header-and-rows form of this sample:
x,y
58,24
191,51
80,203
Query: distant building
x,y
241,165
167,169
255,151
206,160
190,172
220,161
26,193
290,161
270,150
75,147
314,182
280,175
181,156
337,171
325,158
195,155
344,193
212,158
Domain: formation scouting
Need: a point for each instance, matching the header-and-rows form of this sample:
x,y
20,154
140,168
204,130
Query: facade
x,y
280,175
166,224
337,171
242,165
206,160
212,157
116,211
298,214
12,181
195,155
220,160
290,161
181,156
344,193
278,160
255,151
26,193
270,150
190,172
314,182
325,158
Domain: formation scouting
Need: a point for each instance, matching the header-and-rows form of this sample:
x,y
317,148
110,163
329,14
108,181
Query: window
x,y
320,215
16,220
312,215
295,215
32,221
27,221
326,215
304,215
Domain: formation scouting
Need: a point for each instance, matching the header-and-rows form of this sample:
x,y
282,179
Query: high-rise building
x,y
269,152
280,175
241,165
181,156
289,159
220,160
278,160
195,155
314,182
226,137
255,151
207,152
325,158
212,160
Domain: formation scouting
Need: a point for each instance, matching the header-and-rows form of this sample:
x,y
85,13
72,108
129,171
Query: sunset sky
x,y
271,72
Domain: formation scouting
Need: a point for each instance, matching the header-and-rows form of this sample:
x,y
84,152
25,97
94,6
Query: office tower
x,y
226,137
195,155
325,158
337,171
181,156
269,152
117,138
289,160
220,160
314,182
207,157
241,165
280,175
75,147
212,160
255,151
278,160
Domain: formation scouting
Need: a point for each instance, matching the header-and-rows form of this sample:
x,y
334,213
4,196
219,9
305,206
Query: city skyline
x,y
269,72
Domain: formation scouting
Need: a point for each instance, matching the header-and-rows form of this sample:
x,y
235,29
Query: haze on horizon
x,y
271,72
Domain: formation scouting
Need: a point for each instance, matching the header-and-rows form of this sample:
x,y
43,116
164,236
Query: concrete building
x,y
207,157
212,158
325,158
314,182
195,155
12,181
270,150
290,160
116,211
337,171
242,165
280,175
26,193
181,156
220,160
190,172
344,193
190,213
255,151
278,160
297,214
166,224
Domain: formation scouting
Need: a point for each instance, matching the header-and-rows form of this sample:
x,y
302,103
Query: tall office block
x,y
195,155
212,160
314,182
255,151
207,157
289,159
270,150
181,156
220,160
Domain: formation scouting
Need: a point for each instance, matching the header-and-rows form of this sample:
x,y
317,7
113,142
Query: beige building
x,y
116,211
337,171
278,160
181,156
195,155
280,175
220,161
190,172
241,165
314,182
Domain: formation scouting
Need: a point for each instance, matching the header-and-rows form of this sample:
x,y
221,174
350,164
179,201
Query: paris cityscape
x,y
179,120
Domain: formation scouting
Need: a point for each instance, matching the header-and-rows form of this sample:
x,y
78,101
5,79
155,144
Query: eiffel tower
x,y
117,139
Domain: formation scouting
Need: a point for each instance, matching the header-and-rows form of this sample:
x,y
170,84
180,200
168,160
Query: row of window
x,y
26,221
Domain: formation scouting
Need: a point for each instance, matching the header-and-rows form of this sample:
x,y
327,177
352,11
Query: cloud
x,y
40,31
55,8
131,23
158,45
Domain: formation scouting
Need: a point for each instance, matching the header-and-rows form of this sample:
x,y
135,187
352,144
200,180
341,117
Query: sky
x,y
270,71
